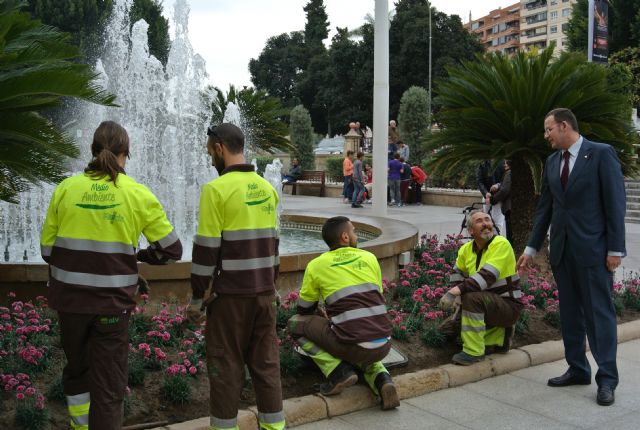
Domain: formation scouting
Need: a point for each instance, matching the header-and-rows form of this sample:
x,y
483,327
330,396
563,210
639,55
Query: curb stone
x,y
307,409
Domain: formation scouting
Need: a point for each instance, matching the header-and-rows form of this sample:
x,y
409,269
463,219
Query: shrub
x,y
262,164
56,390
431,336
333,169
136,369
302,136
522,325
31,413
176,388
290,361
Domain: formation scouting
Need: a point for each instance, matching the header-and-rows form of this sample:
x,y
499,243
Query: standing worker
x,y
357,330
89,239
237,245
583,200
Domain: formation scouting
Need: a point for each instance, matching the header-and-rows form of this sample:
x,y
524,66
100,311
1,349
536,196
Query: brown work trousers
x,y
318,330
498,311
242,330
96,347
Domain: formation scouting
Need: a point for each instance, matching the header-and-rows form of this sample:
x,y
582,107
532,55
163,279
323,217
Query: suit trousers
x,y
96,347
586,307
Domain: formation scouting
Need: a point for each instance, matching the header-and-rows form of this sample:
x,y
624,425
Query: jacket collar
x,y
238,168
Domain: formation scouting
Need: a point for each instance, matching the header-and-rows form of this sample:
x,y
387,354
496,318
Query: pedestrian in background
x,y
394,174
358,182
347,172
419,178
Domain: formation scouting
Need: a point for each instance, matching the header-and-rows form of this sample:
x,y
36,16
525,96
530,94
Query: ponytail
x,y
109,141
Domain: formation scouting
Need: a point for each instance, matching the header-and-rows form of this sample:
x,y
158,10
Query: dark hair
x,y
564,114
332,229
109,141
360,154
396,156
228,135
508,163
349,152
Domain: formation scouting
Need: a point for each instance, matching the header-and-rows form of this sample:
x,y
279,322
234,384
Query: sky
x,y
228,33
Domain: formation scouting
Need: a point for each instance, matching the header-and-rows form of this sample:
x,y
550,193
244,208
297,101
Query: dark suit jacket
x,y
589,214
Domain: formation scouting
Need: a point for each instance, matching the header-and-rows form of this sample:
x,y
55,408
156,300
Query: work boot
x,y
388,394
464,359
342,377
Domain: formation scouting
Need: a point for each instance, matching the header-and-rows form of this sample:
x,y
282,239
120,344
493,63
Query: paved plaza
x,y
518,400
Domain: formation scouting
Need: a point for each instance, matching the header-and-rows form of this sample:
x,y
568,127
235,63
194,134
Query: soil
x,y
147,404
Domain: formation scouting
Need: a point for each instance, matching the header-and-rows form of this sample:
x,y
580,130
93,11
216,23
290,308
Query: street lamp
x,y
429,107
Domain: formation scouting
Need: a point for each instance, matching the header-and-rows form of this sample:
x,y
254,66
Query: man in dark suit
x,y
583,199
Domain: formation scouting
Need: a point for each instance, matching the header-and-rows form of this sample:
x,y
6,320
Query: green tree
x,y
262,114
316,29
151,12
36,72
494,108
624,25
277,67
414,121
302,137
630,57
83,19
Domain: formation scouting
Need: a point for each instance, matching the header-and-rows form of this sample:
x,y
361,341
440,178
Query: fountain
x,y
166,113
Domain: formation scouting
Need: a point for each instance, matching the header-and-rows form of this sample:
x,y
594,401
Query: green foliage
x,y
176,389
136,369
414,121
400,333
262,164
552,318
151,12
28,417
302,137
431,336
261,115
316,29
578,27
630,57
56,390
36,72
290,361
522,325
333,168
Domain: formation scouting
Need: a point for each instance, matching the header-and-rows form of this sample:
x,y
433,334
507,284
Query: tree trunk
x,y
523,204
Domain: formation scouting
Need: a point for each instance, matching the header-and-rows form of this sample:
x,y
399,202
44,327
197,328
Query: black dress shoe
x,y
606,395
568,379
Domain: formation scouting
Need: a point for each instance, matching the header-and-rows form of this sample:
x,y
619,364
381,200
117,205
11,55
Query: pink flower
x,y
30,391
193,370
20,396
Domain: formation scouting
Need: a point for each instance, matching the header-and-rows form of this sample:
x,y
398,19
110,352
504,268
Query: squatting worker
x,y
485,271
357,330
89,239
237,245
583,200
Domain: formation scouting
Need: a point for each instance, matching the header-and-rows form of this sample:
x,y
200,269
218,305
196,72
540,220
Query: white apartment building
x,y
543,22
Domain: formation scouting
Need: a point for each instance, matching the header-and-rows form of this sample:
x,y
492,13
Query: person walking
x,y
488,285
89,240
347,172
237,245
358,182
583,199
355,333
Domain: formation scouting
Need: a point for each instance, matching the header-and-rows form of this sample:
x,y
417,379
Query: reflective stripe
x,y
259,233
477,316
168,240
45,251
200,270
305,304
503,281
474,329
249,263
94,246
355,289
311,349
359,313
271,418
219,423
374,343
277,261
516,294
488,267
462,272
107,281
480,280
78,399
210,242
80,421
456,277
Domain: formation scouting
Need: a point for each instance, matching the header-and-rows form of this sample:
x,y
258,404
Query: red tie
x,y
564,176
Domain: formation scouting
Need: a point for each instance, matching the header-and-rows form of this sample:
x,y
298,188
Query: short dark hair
x,y
228,135
360,154
564,114
349,152
332,229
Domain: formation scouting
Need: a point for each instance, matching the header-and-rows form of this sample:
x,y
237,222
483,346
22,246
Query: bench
x,y
308,178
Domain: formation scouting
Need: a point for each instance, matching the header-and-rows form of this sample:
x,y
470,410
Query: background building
x,y
500,30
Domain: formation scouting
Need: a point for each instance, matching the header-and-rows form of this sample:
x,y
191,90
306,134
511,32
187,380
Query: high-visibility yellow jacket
x,y
237,240
349,281
490,269
89,239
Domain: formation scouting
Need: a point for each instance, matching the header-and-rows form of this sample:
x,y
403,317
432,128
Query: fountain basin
x,y
386,238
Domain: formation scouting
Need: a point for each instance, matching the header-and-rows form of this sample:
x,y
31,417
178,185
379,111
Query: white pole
x,y
380,107
429,108
591,16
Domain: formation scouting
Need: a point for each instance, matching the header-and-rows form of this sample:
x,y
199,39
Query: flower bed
x,y
167,356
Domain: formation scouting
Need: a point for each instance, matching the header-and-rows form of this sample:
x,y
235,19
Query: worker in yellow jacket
x,y
89,239
356,334
237,246
485,278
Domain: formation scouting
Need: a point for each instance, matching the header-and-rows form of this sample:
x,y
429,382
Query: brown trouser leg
x,y
242,330
96,347
498,312
318,330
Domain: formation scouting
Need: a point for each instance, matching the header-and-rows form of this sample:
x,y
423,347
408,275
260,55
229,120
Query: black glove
x,y
143,286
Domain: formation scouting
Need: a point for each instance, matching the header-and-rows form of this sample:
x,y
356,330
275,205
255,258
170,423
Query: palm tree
x,y
263,116
494,108
36,72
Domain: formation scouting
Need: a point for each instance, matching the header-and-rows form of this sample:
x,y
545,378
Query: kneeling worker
x,y
357,330
488,286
